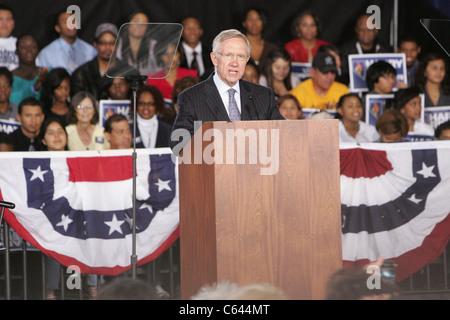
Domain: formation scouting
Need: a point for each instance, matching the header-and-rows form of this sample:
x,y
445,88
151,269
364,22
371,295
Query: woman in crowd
x,y
408,102
28,77
289,107
306,28
136,47
54,138
151,131
432,78
168,58
277,73
392,126
55,94
351,128
254,22
84,132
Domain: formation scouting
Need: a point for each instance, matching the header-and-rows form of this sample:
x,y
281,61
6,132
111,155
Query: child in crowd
x,y
392,126
290,107
408,102
380,78
351,128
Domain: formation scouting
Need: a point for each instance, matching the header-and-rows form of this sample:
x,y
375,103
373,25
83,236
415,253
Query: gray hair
x,y
228,34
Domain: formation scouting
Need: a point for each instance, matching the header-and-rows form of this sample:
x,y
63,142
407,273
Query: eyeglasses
x,y
231,56
143,104
87,106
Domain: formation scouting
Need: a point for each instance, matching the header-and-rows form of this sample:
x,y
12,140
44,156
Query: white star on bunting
x,y
114,225
427,172
65,221
414,199
38,173
163,185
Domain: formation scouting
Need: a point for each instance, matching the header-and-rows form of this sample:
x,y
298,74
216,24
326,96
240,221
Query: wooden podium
x,y
239,225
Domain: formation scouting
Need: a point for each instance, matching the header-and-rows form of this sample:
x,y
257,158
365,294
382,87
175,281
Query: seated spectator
x,y
306,29
321,91
194,55
8,110
116,89
411,48
68,51
432,78
334,51
392,126
8,56
442,132
56,94
83,131
117,132
365,42
6,143
408,102
168,58
351,128
254,22
28,77
151,132
289,107
91,76
277,73
30,116
380,78
251,72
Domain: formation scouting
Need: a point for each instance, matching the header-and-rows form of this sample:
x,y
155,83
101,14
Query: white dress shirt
x,y
223,88
189,52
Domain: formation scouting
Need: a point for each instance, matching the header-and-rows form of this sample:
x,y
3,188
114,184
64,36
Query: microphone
x,y
253,105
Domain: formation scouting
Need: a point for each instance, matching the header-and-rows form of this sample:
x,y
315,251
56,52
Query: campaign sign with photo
x,y
301,70
360,63
8,126
109,107
434,116
375,106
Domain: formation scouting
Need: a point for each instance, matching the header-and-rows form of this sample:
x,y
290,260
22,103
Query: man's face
x,y
6,23
31,119
231,59
411,50
192,31
5,89
364,34
120,135
64,31
322,80
105,46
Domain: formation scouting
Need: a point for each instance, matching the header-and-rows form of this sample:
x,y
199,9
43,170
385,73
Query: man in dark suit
x,y
194,55
210,100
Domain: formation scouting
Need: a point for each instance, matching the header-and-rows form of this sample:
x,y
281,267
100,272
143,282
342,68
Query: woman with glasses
x,y
84,131
151,131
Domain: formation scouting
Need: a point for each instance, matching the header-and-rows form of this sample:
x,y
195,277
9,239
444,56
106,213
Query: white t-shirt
x,y
366,133
8,57
422,129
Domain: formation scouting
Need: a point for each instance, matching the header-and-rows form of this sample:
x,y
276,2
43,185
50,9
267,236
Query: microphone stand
x,y
134,83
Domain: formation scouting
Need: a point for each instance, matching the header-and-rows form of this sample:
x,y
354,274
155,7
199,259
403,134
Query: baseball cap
x,y
325,62
105,27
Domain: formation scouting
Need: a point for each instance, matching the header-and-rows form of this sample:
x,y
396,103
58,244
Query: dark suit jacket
x,y
162,138
202,102
209,68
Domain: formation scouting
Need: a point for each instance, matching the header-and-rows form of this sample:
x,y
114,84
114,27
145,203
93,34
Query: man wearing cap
x,y
321,91
68,51
91,76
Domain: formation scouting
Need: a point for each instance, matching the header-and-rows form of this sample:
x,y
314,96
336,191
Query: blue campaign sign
x,y
434,116
375,106
359,63
301,70
109,107
8,126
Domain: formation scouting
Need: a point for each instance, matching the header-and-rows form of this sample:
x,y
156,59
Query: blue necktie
x,y
233,110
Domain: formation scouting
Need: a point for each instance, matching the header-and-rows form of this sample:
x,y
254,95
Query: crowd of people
x,y
53,93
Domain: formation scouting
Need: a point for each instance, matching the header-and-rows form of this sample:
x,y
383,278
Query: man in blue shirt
x,y
68,51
